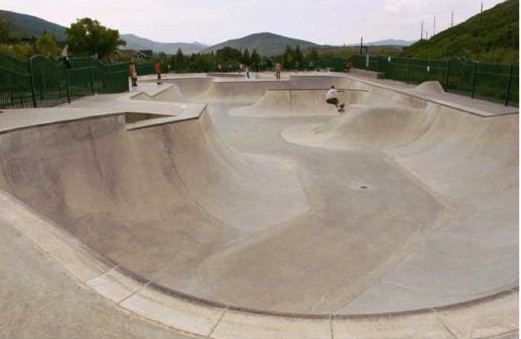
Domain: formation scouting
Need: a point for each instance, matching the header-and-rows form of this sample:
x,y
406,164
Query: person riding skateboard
x,y
331,98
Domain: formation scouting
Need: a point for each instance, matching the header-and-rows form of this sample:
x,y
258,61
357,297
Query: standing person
x,y
158,72
332,99
247,71
277,71
133,73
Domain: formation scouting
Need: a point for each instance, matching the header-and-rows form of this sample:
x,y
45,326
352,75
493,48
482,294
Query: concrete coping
x,y
486,317
462,103
163,112
161,120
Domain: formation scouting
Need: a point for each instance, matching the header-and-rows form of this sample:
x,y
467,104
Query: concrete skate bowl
x,y
398,218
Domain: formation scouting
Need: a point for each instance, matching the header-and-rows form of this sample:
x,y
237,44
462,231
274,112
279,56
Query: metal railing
x,y
493,82
45,82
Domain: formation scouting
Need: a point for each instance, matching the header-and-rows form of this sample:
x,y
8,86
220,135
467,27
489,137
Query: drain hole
x,y
364,187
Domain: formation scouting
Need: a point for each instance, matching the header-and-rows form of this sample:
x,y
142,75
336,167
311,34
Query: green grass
x,y
491,37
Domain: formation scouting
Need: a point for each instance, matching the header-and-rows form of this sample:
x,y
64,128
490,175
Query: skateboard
x,y
342,109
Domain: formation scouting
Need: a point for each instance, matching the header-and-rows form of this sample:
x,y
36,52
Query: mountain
x,y
266,44
492,36
135,42
26,26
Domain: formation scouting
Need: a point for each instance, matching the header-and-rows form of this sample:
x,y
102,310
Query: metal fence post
x,y
447,76
67,86
91,75
474,80
408,70
31,77
509,87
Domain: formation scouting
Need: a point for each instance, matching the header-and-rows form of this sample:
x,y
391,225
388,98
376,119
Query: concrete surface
x,y
249,208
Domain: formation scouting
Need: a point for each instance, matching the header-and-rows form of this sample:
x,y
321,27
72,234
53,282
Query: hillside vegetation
x,y
491,37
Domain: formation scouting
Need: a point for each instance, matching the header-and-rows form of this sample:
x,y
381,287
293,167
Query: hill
x,y
492,36
135,42
26,26
266,44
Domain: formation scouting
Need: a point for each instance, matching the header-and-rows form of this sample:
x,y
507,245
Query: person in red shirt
x,y
158,72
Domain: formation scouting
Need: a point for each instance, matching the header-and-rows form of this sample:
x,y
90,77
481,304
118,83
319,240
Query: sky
x,y
329,22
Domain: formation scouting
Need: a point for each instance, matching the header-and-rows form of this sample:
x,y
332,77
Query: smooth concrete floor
x,y
238,210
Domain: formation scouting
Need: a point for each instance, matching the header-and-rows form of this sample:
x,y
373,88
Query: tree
x,y
298,57
255,59
246,57
201,63
228,57
288,57
179,61
89,37
313,58
46,44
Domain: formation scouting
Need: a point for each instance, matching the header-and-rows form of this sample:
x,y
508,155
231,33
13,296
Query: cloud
x,y
396,6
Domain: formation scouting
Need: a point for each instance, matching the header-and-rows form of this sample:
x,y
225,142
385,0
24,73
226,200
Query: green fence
x,y
492,82
46,82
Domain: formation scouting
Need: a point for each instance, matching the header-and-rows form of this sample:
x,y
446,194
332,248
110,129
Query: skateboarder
x,y
158,72
278,68
332,99
133,73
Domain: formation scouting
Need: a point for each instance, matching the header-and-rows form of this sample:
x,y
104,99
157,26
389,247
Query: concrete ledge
x,y
173,312
236,324
116,285
412,326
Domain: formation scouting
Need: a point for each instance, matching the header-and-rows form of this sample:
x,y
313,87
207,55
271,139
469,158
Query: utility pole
x,y
452,19
434,27
421,38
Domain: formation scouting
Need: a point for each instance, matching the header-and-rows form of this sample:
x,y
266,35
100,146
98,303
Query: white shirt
x,y
331,94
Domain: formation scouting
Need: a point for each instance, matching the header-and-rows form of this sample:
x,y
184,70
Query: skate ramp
x,y
175,186
297,102
467,161
398,205
366,127
429,87
169,94
223,90
302,94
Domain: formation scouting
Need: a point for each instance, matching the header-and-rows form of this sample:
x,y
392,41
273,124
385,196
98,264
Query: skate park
x,y
230,207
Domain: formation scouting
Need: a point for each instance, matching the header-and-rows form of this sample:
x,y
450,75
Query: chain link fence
x,y
45,81
493,82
